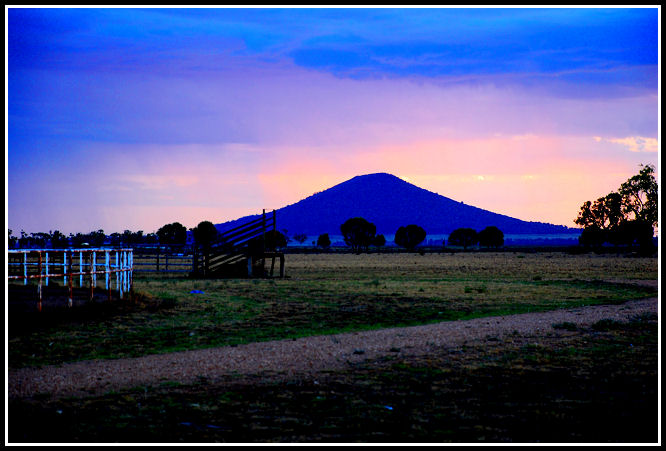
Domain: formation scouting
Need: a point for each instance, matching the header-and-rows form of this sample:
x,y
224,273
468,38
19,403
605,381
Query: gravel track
x,y
303,356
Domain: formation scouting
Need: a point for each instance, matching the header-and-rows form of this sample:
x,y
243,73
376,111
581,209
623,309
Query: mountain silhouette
x,y
389,202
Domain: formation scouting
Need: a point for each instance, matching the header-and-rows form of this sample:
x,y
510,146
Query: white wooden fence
x,y
87,264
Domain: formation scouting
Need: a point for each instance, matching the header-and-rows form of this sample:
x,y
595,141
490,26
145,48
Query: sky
x,y
122,118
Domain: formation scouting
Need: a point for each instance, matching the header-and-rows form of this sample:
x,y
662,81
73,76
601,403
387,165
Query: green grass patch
x,y
325,294
588,387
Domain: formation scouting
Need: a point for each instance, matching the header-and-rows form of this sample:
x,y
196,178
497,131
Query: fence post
x,y
39,280
107,268
263,231
130,262
70,280
88,269
91,258
118,286
125,274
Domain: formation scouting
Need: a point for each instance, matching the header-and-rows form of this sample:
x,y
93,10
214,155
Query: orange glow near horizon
x,y
533,182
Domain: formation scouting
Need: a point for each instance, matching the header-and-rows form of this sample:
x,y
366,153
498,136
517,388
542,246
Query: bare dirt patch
x,y
304,355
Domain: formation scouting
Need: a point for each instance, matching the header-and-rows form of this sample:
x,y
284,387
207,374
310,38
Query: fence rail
x,y
162,262
244,242
45,264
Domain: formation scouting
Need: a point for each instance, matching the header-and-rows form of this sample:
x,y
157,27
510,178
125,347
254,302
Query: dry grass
x,y
326,293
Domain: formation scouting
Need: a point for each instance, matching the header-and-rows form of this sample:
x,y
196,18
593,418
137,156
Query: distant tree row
x,y
57,240
169,234
359,234
627,216
491,236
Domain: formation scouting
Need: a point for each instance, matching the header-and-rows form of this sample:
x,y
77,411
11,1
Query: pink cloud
x,y
637,143
233,142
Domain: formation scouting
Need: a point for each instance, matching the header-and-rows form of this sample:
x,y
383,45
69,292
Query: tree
x,y
116,239
358,233
174,233
379,241
491,236
605,213
93,239
131,238
39,239
592,236
285,233
410,236
640,196
626,217
205,234
97,238
463,237
12,240
324,241
59,240
300,237
275,240
152,238
634,233
272,239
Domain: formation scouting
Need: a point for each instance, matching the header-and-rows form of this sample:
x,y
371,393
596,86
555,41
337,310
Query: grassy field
x,y
573,385
596,384
324,293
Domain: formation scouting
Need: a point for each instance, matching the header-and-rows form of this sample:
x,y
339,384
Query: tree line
x,y
360,234
169,234
626,217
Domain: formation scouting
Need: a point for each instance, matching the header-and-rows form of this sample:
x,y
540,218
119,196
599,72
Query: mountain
x,y
389,202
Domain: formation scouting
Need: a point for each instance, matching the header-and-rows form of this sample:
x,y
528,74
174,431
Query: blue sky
x,y
132,118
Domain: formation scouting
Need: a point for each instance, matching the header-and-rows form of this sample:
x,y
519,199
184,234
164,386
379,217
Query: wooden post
x,y
39,280
274,232
46,263
70,279
119,286
263,229
107,268
206,261
90,270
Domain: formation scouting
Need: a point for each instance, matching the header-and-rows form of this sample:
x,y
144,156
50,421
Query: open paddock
x,y
580,365
328,293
